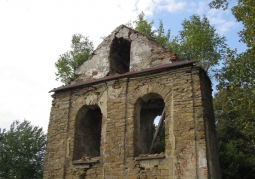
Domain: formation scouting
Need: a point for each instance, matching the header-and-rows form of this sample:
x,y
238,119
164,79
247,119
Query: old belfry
x,y
102,123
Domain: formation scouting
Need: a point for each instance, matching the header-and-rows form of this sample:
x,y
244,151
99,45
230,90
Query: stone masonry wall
x,y
189,128
210,132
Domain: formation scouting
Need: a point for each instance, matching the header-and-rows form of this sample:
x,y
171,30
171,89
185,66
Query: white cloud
x,y
202,7
222,20
172,5
222,24
151,6
147,6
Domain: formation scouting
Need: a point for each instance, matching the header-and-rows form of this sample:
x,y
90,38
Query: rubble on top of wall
x,y
122,51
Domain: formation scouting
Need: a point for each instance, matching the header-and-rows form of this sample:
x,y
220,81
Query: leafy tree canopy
x,y
22,151
217,4
235,101
142,25
235,132
244,12
68,62
198,40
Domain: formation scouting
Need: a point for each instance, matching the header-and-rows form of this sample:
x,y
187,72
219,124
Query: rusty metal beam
x,y
127,75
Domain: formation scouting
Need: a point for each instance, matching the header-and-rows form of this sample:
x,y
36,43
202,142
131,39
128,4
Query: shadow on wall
x,y
147,109
87,132
119,58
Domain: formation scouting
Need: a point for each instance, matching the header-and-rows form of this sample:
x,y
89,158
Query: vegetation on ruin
x,y
198,40
81,50
22,151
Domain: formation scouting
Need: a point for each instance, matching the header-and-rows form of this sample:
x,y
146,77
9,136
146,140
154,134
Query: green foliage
x,y
244,12
143,26
235,101
237,77
219,4
234,163
68,62
22,151
200,42
234,107
235,136
160,36
160,147
197,40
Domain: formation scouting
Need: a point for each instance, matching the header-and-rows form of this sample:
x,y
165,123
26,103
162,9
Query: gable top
x,y
124,50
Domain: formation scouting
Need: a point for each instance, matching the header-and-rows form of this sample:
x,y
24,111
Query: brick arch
x,y
135,98
147,88
90,99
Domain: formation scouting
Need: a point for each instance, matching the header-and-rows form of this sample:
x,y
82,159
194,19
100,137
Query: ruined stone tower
x,y
101,125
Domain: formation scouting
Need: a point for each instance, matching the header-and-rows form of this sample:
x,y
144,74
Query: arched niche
x,y
87,137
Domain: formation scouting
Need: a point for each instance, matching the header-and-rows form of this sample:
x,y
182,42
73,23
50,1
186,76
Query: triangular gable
x,y
122,51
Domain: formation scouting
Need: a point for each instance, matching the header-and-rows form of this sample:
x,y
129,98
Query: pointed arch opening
x,y
87,137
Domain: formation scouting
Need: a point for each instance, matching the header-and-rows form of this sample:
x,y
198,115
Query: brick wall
x,y
190,150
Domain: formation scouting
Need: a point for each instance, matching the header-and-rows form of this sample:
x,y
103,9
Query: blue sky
x,y
34,33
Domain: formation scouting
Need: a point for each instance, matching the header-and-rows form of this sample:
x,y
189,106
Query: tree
x,y
244,12
22,151
235,135
82,49
197,40
217,4
143,26
200,42
236,126
161,37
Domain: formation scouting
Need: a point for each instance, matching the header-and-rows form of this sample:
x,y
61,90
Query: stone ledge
x,y
88,162
150,157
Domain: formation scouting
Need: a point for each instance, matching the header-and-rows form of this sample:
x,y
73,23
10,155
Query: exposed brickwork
x,y
187,96
100,130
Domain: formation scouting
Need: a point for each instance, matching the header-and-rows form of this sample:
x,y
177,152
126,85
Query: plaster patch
x,y
201,158
102,103
91,99
114,93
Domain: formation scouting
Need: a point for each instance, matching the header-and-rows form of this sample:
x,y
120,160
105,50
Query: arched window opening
x,y
119,58
151,135
87,132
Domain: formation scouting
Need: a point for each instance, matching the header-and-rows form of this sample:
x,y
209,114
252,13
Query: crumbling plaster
x,y
144,53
